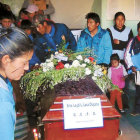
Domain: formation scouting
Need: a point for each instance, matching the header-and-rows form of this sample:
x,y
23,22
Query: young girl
x,y
16,50
117,74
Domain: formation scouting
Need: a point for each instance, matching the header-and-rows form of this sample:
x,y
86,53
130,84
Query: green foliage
x,y
48,78
33,80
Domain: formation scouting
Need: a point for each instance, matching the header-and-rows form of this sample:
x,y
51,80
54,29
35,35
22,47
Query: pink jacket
x,y
116,75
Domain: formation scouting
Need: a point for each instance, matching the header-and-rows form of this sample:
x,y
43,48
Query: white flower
x,y
70,66
44,69
42,64
52,57
83,65
87,71
79,57
67,65
100,69
94,78
75,63
98,73
50,65
36,64
87,60
61,54
48,60
56,53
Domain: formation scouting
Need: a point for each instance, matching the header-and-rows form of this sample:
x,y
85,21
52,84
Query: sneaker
x,y
122,111
134,113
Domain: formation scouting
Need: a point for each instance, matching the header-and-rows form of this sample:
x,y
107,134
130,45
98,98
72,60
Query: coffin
x,y
54,122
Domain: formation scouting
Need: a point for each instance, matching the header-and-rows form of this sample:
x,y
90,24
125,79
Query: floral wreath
x,y
60,68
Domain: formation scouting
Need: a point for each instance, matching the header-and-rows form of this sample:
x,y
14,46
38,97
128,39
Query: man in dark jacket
x,y
51,36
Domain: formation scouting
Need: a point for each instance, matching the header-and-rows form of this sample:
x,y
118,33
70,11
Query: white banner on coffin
x,y
82,113
63,58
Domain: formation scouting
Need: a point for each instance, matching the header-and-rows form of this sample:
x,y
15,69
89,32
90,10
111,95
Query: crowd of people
x,y
27,39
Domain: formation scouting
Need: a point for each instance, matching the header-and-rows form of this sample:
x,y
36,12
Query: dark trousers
x,y
137,99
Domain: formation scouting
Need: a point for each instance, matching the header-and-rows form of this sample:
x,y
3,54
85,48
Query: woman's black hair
x,y
119,14
114,56
93,16
14,42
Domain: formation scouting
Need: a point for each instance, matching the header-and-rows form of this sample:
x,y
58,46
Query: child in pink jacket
x,y
117,74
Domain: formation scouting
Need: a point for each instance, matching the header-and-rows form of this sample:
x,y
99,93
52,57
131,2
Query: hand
x,y
133,69
116,41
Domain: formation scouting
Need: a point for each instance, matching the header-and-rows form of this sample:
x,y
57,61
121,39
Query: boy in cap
x,y
32,10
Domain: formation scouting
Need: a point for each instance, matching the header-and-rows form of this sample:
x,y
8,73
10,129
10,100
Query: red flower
x,y
91,59
57,67
60,65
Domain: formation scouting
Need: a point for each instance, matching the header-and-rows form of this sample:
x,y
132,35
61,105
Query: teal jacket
x,y
100,44
7,110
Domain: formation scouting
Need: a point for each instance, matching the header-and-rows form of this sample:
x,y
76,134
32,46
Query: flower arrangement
x,y
55,70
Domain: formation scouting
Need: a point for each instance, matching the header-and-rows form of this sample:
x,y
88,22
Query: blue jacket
x,y
7,111
132,55
53,40
100,44
34,58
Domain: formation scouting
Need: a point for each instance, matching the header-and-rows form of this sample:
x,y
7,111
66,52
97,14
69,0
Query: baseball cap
x,y
32,8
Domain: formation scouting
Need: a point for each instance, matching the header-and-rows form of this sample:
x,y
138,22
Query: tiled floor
x,y
129,132
130,125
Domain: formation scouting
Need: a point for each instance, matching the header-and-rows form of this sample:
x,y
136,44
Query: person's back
x,y
96,39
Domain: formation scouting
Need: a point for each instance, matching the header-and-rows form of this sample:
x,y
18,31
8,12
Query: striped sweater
x,y
21,127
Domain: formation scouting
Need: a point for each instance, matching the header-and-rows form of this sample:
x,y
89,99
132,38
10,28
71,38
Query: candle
x,y
35,136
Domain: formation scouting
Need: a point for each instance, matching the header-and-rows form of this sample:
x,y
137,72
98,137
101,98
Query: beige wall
x,y
72,12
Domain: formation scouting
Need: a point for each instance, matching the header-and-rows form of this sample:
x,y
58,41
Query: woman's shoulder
x,y
3,85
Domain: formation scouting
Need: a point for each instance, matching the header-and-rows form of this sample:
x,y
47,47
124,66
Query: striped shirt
x,y
22,126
